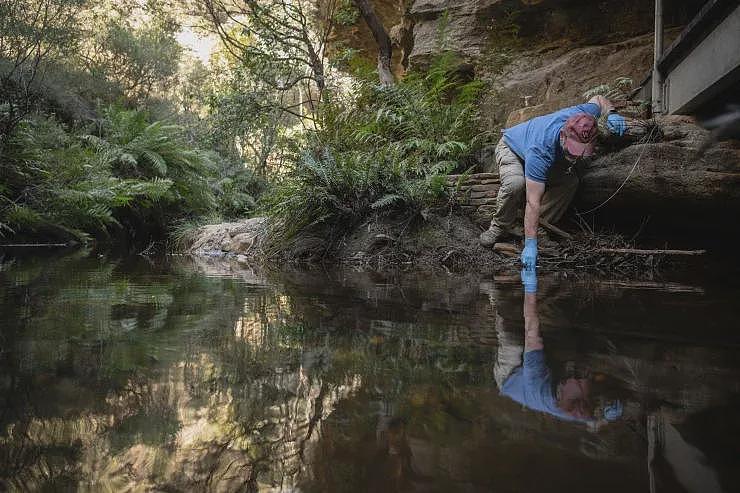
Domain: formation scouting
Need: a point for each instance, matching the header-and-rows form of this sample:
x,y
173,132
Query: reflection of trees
x,y
203,382
139,376
84,342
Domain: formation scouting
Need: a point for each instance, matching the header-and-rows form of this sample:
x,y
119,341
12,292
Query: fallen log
x,y
508,249
671,287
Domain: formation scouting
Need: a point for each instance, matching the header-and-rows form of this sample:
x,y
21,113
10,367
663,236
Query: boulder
x,y
236,237
465,24
671,180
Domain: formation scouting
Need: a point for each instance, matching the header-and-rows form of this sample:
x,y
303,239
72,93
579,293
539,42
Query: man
x,y
534,160
522,374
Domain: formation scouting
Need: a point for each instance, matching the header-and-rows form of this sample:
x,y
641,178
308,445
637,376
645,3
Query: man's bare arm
x,y
605,105
535,190
532,337
628,123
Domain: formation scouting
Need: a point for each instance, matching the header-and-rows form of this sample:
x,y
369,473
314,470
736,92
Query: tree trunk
x,y
385,49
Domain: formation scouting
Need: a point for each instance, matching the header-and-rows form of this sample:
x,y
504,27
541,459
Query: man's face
x,y
573,397
568,156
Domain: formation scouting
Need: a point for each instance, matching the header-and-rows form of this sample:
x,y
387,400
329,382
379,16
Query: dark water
x,y
183,375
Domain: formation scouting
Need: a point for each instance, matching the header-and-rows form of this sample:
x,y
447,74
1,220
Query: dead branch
x,y
555,230
640,251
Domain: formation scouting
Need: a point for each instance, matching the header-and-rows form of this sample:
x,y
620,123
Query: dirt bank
x,y
441,242
680,190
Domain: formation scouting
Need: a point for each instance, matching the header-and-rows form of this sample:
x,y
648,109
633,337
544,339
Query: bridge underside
x,y
709,74
701,69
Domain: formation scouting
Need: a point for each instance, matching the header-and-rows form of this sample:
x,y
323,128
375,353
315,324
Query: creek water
x,y
177,374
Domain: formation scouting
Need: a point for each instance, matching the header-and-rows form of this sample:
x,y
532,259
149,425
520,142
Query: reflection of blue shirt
x,y
531,386
537,141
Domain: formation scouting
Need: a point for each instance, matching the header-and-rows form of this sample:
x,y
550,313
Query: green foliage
x,y
131,173
346,14
138,60
618,90
31,33
379,149
236,189
135,149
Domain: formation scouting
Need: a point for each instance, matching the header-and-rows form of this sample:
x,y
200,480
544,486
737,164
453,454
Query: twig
x,y
34,245
148,249
639,251
506,249
651,285
555,230
639,230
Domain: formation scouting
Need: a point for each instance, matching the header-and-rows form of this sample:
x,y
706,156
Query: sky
x,y
201,46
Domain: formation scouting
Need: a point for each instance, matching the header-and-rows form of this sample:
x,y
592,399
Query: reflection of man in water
x,y
522,374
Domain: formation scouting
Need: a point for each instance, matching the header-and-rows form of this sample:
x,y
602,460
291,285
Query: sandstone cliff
x,y
541,55
532,52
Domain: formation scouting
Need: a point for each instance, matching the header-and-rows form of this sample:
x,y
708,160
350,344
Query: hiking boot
x,y
489,237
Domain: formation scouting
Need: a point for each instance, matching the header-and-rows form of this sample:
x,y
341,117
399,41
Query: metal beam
x,y
657,82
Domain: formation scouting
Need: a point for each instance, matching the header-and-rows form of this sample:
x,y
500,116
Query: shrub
x,y
346,14
130,174
379,149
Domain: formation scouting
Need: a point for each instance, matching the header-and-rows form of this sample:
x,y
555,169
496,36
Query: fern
x,y
20,217
5,229
618,90
386,200
73,185
157,162
378,149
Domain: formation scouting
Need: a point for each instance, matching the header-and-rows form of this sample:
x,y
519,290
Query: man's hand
x,y
613,411
529,280
529,253
616,124
605,105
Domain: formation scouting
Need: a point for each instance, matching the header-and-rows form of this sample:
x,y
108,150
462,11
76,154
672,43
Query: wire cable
x,y
646,141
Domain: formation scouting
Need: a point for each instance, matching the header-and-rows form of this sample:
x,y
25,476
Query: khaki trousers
x,y
509,349
559,192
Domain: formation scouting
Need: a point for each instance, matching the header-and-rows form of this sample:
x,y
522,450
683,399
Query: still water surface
x,y
188,375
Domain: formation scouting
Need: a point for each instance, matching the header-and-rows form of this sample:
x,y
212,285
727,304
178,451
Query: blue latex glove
x,y
529,254
616,124
613,411
529,280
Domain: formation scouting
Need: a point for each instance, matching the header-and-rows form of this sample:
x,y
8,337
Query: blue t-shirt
x,y
531,386
537,141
